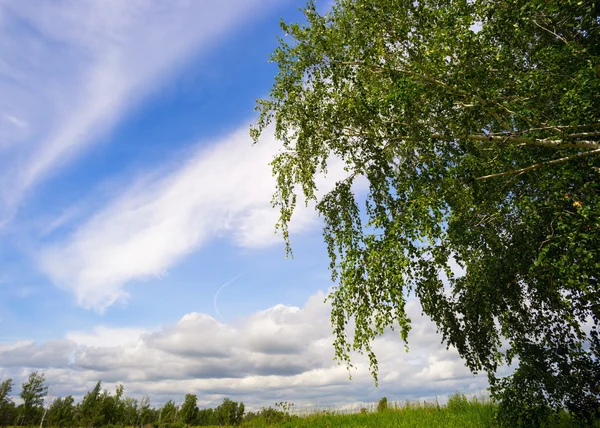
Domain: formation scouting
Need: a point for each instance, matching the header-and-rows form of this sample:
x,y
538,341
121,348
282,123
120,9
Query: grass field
x,y
459,412
476,415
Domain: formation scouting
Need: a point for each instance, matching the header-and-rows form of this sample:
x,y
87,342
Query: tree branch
x,y
565,143
583,135
560,128
540,165
544,142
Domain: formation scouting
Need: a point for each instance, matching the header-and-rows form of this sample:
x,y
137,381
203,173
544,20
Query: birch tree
x,y
476,125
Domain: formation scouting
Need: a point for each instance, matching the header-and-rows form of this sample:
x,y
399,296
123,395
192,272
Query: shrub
x,y
458,402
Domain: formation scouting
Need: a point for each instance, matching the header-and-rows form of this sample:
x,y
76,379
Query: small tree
x,y
168,413
144,411
382,405
5,388
91,407
189,409
230,412
113,407
62,412
45,408
130,411
7,407
32,393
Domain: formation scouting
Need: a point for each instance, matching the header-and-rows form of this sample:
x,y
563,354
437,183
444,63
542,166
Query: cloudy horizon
x,y
283,353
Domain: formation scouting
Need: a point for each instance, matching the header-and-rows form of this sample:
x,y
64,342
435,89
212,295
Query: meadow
x,y
460,411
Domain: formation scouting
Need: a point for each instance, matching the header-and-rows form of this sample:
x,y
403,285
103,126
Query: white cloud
x,y
103,336
222,190
69,70
437,369
283,353
53,353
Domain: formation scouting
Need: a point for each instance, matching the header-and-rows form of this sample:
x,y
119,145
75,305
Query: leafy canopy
x,y
33,392
5,388
476,125
189,409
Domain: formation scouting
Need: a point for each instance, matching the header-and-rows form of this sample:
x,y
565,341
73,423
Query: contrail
x,y
219,290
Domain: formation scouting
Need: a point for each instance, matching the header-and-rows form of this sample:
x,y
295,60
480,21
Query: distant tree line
x,y
100,408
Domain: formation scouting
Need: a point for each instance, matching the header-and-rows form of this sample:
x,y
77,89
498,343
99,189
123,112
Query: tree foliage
x,y
5,388
476,125
230,412
62,412
33,392
207,417
99,408
189,409
90,410
168,413
7,407
130,411
146,414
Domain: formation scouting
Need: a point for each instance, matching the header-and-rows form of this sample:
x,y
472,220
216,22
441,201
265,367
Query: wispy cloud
x,y
69,70
222,191
16,121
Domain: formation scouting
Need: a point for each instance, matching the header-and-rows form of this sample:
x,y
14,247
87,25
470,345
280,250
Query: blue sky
x,y
131,193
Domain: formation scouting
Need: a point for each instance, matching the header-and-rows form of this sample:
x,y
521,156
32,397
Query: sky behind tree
x,y
131,194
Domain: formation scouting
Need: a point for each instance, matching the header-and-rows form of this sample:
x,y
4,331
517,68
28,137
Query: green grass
x,y
392,418
459,412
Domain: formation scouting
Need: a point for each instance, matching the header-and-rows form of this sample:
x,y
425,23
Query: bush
x,y
382,405
458,402
269,416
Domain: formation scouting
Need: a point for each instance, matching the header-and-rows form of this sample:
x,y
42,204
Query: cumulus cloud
x,y
53,353
223,190
70,70
102,336
282,353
